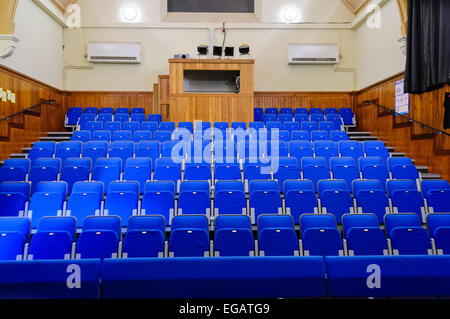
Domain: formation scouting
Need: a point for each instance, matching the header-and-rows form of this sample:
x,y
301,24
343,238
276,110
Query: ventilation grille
x,y
114,58
314,60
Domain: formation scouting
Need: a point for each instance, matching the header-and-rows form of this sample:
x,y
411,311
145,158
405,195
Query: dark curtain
x,y
428,45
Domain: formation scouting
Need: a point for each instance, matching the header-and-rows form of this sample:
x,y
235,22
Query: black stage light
x,y
244,49
202,49
217,51
229,51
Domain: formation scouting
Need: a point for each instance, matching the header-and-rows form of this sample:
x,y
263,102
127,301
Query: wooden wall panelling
x,y
164,96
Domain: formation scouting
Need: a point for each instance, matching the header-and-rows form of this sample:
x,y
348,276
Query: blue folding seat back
x,y
309,126
405,197
363,235
137,117
229,198
270,117
429,185
84,118
317,118
159,199
187,125
338,136
121,118
24,163
162,136
166,126
239,125
374,168
347,116
45,204
53,187
286,110
320,136
131,126
291,126
65,150
336,119
326,149
406,234
227,171
439,229
371,198
437,195
137,110
104,117
122,150
194,198
142,136
283,118
92,110
13,197
44,169
139,170
121,136
301,149
53,239
327,126
82,136
330,110
41,150
14,233
264,198
100,237
315,169
167,170
301,117
149,126
276,236
189,236
402,168
12,174
351,149
233,241
107,170
301,110
285,168
148,149
298,135
256,170
93,126
122,200
315,110
276,148
101,136
112,126
335,198
155,118
300,198
197,172
73,114
344,168
271,110
256,125
106,110
258,114
121,110
174,149
145,237
320,236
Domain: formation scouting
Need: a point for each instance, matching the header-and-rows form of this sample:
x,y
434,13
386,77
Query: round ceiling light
x,y
129,13
290,14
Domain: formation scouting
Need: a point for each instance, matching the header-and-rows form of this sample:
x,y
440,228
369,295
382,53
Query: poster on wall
x,y
401,98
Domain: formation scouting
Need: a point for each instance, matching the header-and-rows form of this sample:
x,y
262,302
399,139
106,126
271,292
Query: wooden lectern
x,y
206,90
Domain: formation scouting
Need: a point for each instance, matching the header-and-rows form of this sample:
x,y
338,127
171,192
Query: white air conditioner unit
x,y
114,52
313,53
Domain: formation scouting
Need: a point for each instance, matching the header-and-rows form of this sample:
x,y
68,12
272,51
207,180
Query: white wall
x,y
378,52
39,52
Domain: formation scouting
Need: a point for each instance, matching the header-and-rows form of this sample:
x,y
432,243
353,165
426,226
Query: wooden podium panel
x,y
208,106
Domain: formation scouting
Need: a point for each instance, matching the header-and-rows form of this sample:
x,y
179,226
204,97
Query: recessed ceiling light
x,y
130,13
290,14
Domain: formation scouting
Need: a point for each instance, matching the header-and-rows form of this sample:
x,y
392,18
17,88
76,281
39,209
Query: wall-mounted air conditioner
x,y
114,52
313,53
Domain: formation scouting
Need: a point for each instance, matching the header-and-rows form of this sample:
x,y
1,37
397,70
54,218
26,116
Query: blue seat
x,y
376,149
330,110
194,198
104,117
101,136
106,110
99,238
122,150
92,126
112,126
320,135
309,126
73,114
275,148
271,110
15,170
85,201
121,136
47,200
286,110
227,171
274,125
402,168
344,168
166,126
139,136
90,110
258,114
316,118
326,149
167,170
256,125
199,149
222,126
249,149
84,118
44,169
437,195
347,116
197,171
254,169
145,237
439,229
301,117
335,198
283,118
406,234
320,236
300,198
121,118
162,136
53,239
182,134
315,169
338,136
239,125
187,125
371,198
336,119
301,149
327,126
155,118
351,149
301,110
138,169
148,149
121,110
298,135
107,170
405,197
13,198
315,110
159,199
149,126
41,150
75,170
291,126
229,198
95,149
264,198
14,234
131,126
68,149
363,235
137,117
374,168
276,236
137,110
82,136
270,117
122,200
174,149
285,168
189,236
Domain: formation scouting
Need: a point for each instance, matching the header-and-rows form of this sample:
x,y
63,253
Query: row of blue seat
x,y
227,197
75,113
